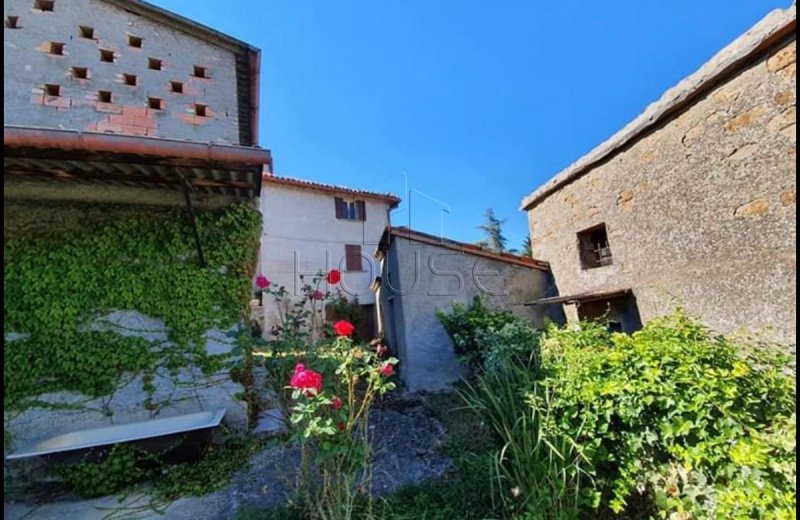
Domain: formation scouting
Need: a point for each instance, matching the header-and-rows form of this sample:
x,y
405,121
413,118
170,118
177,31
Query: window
x,y
44,5
107,56
593,247
104,96
350,210
199,72
80,72
154,64
352,255
86,32
129,79
52,90
12,22
200,110
176,86
155,103
135,41
56,48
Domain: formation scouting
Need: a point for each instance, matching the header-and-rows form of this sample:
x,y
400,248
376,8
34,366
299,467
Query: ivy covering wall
x,y
58,285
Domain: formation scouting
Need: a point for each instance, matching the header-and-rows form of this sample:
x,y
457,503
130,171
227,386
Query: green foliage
x,y
527,249
56,286
124,465
531,475
493,228
467,325
212,472
698,422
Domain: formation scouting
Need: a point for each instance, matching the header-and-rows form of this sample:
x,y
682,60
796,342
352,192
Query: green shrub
x,y
468,326
697,422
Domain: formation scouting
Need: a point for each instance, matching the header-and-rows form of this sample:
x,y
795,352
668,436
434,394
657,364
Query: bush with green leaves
x,y
697,422
468,326
672,421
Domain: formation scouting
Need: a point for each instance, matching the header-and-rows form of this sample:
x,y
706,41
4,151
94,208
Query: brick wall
x,y
88,65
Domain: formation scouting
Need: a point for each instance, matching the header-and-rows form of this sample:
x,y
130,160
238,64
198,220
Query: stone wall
x,y
419,279
700,213
80,31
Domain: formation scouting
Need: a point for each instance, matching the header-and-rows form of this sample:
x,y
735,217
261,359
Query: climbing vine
x,y
58,286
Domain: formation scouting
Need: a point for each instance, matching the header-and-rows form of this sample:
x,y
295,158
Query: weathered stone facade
x,y
699,207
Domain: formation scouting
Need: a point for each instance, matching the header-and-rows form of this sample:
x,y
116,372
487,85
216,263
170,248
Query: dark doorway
x,y
620,314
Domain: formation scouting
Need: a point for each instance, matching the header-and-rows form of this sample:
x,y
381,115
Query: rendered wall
x,y
420,279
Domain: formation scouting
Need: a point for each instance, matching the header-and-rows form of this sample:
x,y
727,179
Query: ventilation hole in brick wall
x,y
12,22
153,64
86,32
200,72
80,72
107,56
155,103
104,96
129,79
176,86
56,48
44,5
200,110
135,41
52,90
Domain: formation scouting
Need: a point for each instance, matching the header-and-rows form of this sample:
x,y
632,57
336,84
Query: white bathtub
x,y
132,432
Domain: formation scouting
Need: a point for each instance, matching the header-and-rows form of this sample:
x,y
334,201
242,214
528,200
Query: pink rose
x,y
262,282
317,295
387,370
336,403
306,379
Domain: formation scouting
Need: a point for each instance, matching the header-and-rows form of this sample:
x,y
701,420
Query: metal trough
x,y
152,434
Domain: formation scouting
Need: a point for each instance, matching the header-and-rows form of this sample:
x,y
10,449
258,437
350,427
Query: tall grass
x,y
535,475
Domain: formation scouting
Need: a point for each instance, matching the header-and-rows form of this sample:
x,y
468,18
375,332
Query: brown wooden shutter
x,y
353,257
362,210
341,208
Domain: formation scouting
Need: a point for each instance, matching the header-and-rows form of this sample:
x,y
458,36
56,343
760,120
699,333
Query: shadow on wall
x,y
620,314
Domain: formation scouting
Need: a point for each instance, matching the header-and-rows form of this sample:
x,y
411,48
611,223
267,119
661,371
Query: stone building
x,y
421,273
115,109
311,227
692,204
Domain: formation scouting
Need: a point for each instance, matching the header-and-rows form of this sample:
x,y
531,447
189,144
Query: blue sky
x,y
470,104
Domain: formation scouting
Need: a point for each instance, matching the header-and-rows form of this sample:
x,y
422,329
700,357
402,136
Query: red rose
x,y
336,403
341,426
343,328
334,276
305,379
317,295
387,370
262,282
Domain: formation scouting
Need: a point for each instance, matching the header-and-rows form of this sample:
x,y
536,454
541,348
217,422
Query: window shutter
x,y
353,257
362,210
341,208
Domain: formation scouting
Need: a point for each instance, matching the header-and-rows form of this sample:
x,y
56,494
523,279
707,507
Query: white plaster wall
x,y
301,236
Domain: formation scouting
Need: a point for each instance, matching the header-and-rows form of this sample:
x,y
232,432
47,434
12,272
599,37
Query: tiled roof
x,y
392,199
